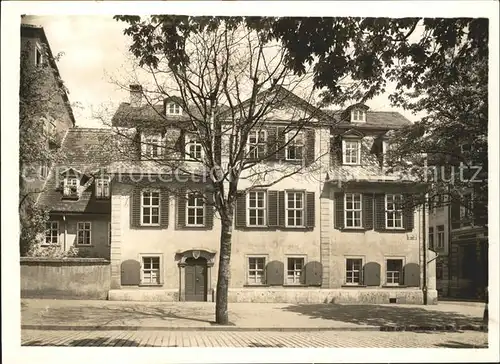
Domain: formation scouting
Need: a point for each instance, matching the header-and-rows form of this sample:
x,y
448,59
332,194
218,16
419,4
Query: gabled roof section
x,y
28,30
374,120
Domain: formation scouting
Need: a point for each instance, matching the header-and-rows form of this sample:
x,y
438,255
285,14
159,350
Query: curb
x,y
415,328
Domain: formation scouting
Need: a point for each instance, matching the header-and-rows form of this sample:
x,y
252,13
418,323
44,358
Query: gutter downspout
x,y
424,247
65,232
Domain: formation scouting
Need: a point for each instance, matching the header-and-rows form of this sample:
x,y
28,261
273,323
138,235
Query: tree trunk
x,y
221,311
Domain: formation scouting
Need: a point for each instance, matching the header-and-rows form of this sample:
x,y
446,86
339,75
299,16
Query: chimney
x,y
135,95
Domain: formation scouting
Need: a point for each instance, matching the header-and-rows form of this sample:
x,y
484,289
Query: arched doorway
x,y
195,287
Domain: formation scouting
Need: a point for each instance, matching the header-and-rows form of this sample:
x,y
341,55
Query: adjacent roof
x,y
28,29
374,120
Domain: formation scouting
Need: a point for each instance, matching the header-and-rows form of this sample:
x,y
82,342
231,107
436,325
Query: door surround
x,y
195,253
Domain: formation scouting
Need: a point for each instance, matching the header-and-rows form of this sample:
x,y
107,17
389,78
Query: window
x,y
150,208
102,187
352,151
38,55
109,233
173,109
195,210
52,232
294,269
295,146
352,207
257,144
353,271
393,211
440,236
256,270
71,185
194,149
256,211
150,270
294,205
466,209
394,272
84,233
152,146
431,238
358,115
44,170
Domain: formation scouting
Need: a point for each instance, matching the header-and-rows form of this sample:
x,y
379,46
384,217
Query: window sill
x,y
296,285
255,285
393,286
353,286
48,245
84,245
354,229
151,285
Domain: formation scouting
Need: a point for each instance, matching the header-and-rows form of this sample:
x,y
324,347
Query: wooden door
x,y
196,279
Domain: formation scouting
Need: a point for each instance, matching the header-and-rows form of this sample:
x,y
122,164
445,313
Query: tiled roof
x,y
374,119
85,150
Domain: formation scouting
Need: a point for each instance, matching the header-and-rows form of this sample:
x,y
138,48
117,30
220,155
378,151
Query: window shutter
x,y
130,273
310,139
336,150
135,208
368,211
408,213
412,275
137,142
480,213
455,214
275,271
241,209
180,144
339,210
371,274
280,143
311,211
272,208
209,211
313,274
281,208
164,208
271,143
181,208
379,212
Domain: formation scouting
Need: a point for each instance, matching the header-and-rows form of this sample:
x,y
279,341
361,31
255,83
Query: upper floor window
x,y
294,205
358,115
295,146
150,207
393,211
173,109
440,237
257,144
257,206
431,238
152,146
102,187
38,55
71,185
353,210
194,149
351,151
195,210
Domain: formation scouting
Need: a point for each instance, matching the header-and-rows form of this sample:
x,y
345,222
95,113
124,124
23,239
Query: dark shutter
x,y
181,208
455,214
209,211
241,210
371,274
180,145
313,273
480,213
412,275
311,210
339,210
281,208
336,150
137,145
271,142
164,208
408,212
135,208
368,211
130,273
379,223
280,143
275,271
272,208
310,139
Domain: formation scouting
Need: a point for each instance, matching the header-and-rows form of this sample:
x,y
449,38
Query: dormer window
x,y
102,188
71,185
351,151
358,115
173,109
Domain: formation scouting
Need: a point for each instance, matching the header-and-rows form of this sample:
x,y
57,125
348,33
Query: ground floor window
x,y
150,273
84,230
394,272
353,272
256,266
295,265
52,232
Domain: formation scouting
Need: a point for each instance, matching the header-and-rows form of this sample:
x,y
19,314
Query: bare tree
x,y
230,87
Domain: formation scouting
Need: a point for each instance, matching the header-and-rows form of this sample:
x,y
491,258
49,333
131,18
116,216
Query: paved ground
x,y
113,314
329,339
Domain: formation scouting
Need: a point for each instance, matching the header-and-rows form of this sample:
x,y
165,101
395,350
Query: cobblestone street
x,y
328,339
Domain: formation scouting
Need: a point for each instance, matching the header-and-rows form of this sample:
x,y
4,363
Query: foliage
x,y
33,226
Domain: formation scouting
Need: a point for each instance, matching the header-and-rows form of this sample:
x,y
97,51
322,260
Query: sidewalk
x,y
112,315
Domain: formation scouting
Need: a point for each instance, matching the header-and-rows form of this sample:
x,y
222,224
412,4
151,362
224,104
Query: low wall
x,y
69,278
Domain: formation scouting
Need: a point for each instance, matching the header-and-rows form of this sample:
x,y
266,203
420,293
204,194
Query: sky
x,y
96,50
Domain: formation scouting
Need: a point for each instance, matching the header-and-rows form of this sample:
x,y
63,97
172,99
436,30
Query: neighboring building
x,y
49,101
